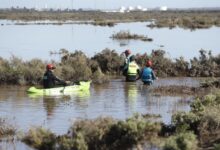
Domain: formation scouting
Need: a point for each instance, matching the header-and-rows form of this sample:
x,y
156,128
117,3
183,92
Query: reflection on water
x,y
116,98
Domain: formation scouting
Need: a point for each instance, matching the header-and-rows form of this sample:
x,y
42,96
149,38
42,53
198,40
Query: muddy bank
x,y
185,19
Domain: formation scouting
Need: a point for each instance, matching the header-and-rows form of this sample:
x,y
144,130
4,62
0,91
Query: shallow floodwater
x,y
117,99
37,41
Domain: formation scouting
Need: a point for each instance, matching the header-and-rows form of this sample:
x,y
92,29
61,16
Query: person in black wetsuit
x,y
49,79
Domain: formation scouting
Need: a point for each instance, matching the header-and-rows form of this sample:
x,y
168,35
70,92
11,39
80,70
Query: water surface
x,y
37,41
117,99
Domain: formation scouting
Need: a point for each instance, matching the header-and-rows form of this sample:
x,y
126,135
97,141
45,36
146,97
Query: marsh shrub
x,y
17,71
109,61
97,75
100,133
184,121
6,129
11,70
41,139
76,143
205,66
125,134
33,71
209,127
92,131
162,65
181,67
182,141
76,66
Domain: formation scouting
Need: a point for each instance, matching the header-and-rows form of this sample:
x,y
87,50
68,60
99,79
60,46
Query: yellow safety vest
x,y
132,68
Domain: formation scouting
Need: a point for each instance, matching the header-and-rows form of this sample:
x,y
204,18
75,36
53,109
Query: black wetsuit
x,y
49,80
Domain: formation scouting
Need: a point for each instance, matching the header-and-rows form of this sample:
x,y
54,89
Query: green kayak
x,y
82,86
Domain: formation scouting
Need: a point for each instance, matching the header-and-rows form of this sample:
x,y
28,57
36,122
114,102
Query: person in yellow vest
x,y
133,70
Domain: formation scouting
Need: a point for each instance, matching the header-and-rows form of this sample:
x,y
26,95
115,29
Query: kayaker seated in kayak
x,y
133,70
147,75
49,79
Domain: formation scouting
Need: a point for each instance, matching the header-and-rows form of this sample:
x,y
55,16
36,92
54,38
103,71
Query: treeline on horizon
x,y
76,66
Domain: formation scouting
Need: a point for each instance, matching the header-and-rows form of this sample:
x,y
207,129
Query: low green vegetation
x,y
101,65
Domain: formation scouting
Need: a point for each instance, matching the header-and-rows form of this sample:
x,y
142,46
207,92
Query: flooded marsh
x,y
112,114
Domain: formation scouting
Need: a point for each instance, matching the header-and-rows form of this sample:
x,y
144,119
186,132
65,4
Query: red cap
x,y
50,66
128,51
149,63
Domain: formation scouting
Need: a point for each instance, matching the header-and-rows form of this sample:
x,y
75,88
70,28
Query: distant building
x,y
122,9
139,7
144,9
163,8
130,8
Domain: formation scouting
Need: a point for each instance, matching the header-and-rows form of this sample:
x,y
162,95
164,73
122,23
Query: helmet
x,y
50,66
149,63
127,52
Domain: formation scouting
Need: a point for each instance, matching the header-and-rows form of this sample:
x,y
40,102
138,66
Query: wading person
x,y
126,61
133,70
147,75
49,79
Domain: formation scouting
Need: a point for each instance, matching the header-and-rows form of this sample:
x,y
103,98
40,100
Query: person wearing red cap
x,y
126,62
49,79
147,75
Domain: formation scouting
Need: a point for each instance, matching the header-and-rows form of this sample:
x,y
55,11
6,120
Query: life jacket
x,y
147,75
132,69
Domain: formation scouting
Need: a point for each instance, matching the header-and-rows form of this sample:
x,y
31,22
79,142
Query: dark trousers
x,y
147,82
130,78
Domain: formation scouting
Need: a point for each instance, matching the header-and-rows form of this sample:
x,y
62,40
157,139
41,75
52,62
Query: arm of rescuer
x,y
55,78
153,75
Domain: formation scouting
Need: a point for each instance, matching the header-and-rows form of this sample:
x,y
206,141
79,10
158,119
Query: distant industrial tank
x,y
163,8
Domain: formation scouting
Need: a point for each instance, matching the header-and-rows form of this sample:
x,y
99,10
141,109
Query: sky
x,y
108,4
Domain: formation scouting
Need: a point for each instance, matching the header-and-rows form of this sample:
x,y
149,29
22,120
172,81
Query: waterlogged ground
x,y
117,99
